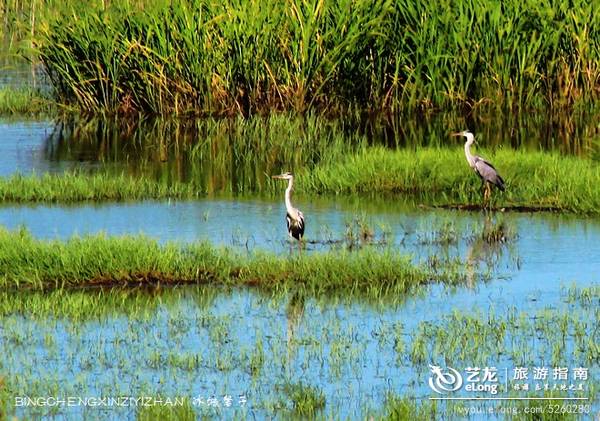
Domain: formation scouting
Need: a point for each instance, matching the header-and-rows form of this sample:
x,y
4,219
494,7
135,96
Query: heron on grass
x,y
294,218
486,171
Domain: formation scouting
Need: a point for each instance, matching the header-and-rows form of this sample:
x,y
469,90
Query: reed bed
x,y
96,261
233,57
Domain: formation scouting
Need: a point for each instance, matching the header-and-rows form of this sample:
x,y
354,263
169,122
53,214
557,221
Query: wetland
x,y
145,268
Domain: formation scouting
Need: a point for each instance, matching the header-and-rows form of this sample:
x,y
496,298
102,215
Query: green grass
x,y
406,408
306,400
433,176
74,187
23,101
174,412
441,176
92,261
233,57
480,338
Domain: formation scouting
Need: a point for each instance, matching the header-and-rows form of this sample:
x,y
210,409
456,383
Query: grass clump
x,y
77,187
405,408
549,334
98,260
176,412
306,400
535,180
23,101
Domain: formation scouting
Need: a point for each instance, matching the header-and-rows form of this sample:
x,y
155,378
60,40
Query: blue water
x,y
346,349
546,246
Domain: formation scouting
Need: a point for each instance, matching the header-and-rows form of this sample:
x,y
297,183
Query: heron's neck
x,y
470,158
288,195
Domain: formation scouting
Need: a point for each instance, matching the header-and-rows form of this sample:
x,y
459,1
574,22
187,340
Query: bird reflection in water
x,y
488,245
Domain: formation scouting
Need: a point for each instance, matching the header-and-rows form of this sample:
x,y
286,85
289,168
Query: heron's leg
x,y
483,189
487,194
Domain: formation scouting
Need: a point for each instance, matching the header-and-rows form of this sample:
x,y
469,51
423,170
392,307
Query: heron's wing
x,y
295,223
288,220
488,164
488,173
485,169
300,219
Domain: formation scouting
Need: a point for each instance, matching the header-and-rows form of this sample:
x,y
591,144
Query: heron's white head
x,y
470,137
285,176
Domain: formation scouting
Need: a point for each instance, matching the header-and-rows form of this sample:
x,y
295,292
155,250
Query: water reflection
x,y
487,245
294,312
227,155
20,73
235,155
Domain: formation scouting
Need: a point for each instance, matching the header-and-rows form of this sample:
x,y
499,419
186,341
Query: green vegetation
x,y
306,400
481,338
23,101
559,415
21,19
171,342
231,57
434,176
72,187
174,412
441,176
405,408
131,261
244,149
585,297
81,305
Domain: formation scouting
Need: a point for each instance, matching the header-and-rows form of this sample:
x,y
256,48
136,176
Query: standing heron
x,y
294,218
486,171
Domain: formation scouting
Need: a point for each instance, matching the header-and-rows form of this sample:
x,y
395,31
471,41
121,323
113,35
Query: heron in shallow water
x,y
294,218
486,171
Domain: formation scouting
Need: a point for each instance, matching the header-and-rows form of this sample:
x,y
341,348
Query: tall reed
x,y
231,57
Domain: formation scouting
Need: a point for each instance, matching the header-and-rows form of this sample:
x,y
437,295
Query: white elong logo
x,y
441,382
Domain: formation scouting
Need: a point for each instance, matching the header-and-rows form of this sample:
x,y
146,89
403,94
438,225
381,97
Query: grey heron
x,y
294,218
486,171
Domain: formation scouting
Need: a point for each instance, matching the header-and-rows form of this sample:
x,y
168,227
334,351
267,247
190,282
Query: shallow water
x,y
545,244
334,345
23,148
246,346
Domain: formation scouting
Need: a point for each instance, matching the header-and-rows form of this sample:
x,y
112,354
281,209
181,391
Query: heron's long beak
x,y
280,177
456,134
